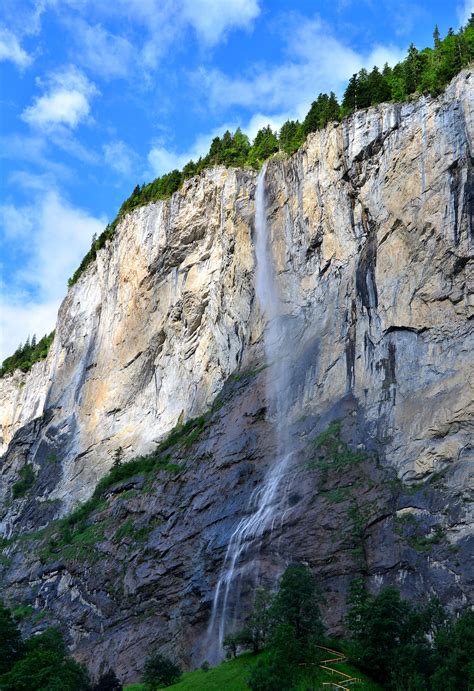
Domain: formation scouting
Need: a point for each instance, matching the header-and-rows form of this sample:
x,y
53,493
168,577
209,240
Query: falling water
x,y
263,508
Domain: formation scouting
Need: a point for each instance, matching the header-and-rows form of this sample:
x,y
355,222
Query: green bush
x,y
26,481
334,452
160,671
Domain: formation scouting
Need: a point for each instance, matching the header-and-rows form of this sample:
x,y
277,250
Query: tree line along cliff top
x,y
426,71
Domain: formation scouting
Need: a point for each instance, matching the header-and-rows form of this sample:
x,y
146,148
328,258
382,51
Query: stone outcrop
x,y
372,238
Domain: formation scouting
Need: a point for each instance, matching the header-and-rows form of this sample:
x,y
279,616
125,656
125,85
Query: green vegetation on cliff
x,y
76,535
26,481
425,71
26,355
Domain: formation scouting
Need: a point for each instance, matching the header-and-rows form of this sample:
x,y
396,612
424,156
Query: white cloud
x,y
65,103
464,11
20,318
317,62
59,235
15,223
213,19
163,160
10,49
260,120
120,157
156,26
106,54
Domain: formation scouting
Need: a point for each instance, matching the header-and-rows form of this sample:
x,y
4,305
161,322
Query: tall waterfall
x,y
264,505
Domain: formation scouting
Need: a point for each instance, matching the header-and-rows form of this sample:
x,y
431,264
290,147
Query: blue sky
x,y
97,95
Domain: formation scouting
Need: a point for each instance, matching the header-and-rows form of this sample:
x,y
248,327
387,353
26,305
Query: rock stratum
x,y
372,237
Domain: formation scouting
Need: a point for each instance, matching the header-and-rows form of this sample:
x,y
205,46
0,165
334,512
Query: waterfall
x,y
263,507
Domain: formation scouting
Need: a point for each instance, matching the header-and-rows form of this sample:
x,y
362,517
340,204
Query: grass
x,y
407,527
336,495
233,674
230,675
334,451
23,612
129,530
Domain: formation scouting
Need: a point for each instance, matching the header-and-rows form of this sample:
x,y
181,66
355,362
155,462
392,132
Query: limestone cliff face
x,y
372,238
146,337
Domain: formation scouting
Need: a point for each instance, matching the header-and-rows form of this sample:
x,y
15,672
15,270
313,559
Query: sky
x,y
99,95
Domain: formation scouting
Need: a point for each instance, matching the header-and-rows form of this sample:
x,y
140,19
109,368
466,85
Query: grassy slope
x,y
232,676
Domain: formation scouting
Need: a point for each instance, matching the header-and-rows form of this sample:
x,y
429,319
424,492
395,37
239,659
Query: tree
x,y
349,101
215,151
391,638
261,620
231,644
190,169
264,145
358,603
363,89
240,148
108,682
378,86
296,605
11,645
45,666
238,641
273,674
280,670
118,457
289,136
412,69
378,633
160,671
454,655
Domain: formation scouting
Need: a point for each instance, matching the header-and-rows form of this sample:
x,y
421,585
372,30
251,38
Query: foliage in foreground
x,y
403,646
288,624
159,672
41,662
411,646
423,71
108,682
38,664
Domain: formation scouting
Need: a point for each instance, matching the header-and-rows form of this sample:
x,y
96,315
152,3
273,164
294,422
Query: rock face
x,y
371,224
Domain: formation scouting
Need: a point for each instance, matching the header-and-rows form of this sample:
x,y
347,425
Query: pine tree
x,y
287,136
117,456
349,101
11,646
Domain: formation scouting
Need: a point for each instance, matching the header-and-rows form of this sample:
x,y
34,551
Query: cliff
x,y
371,229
